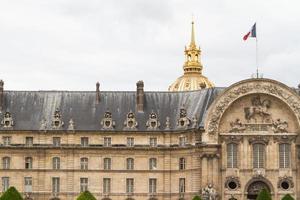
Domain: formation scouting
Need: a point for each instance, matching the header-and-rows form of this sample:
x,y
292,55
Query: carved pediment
x,y
7,121
183,121
130,123
153,122
107,122
57,120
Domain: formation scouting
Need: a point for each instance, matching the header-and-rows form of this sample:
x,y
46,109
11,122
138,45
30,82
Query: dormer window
x,y
183,121
153,123
57,121
107,122
130,122
7,121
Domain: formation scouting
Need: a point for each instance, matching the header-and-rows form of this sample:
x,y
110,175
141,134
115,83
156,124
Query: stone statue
x,y
280,126
259,108
209,193
237,126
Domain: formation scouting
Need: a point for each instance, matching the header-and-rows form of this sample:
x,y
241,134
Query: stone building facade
x,y
220,143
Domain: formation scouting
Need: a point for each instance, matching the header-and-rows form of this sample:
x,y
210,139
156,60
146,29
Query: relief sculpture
x,y
258,111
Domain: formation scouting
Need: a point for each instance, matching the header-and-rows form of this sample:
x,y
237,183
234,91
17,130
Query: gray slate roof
x,y
29,108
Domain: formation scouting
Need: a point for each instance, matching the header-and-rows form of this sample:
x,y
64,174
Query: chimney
x,y
97,93
140,96
1,94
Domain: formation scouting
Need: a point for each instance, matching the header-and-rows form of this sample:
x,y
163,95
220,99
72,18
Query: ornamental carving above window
x,y
153,123
57,120
107,122
7,121
183,121
130,123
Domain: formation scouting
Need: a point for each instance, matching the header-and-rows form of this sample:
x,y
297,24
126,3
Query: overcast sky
x,y
71,44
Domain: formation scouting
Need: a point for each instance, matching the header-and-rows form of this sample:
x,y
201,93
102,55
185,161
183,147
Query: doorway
x,y
254,189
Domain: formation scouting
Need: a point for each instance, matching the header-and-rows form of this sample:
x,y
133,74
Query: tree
x,y
264,195
11,194
197,198
86,195
287,197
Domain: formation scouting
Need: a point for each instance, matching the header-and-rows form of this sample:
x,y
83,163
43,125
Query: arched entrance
x,y
254,189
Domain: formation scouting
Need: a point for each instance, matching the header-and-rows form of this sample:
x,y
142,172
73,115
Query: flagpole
x,y
256,51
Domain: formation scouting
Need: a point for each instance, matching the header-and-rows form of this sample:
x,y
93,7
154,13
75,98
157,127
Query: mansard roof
x,y
30,108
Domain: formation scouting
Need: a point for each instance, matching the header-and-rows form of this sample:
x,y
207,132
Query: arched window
x,y
258,155
129,163
152,163
107,163
181,163
28,163
56,163
84,163
284,155
6,162
232,155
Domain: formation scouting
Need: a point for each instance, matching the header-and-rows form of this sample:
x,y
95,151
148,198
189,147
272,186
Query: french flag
x,y
251,33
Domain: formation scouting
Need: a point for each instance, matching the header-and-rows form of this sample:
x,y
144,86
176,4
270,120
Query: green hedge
x,y
197,198
85,196
264,195
11,194
287,197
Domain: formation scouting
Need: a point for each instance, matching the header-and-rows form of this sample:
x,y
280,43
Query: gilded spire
x,y
192,54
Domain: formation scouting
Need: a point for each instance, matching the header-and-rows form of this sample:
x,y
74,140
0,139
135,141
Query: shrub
x,y
11,194
197,198
287,197
86,195
264,195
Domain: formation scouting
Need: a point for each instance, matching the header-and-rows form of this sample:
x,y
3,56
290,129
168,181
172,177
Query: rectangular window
x,y
5,183
29,141
181,163
182,185
107,163
130,141
284,155
129,163
6,162
106,185
153,142
55,185
56,141
152,163
84,184
28,184
152,185
182,140
129,185
84,163
258,155
107,141
232,155
84,141
6,140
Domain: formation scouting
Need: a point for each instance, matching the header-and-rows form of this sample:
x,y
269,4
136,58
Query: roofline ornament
x,y
246,87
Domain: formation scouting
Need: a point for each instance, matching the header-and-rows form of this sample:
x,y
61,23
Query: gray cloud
x,y
71,44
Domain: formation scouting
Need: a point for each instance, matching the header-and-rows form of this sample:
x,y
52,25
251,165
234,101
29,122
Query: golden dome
x,y
192,78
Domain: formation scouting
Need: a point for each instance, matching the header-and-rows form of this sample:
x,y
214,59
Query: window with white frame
x,y
84,141
129,185
182,140
182,163
84,163
130,141
56,163
129,163
84,182
29,141
5,183
284,155
152,185
106,185
107,163
6,162
152,163
56,141
181,185
55,185
28,163
6,140
232,155
153,142
28,184
107,141
258,155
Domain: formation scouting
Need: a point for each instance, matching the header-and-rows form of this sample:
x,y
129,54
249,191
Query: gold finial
x,y
193,43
